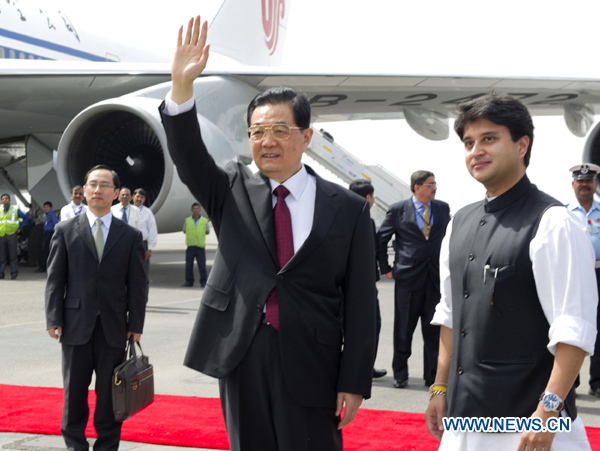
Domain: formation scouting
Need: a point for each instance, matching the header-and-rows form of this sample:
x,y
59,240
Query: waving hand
x,y
189,60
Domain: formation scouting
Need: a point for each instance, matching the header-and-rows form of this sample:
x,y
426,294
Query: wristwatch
x,y
551,402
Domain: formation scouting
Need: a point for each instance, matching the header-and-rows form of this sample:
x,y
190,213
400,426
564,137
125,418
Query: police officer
x,y
587,209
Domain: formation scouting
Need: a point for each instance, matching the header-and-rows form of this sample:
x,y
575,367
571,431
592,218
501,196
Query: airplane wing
x,y
60,90
429,98
107,112
44,96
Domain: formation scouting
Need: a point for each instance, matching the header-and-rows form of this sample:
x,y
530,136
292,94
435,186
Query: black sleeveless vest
x,y
500,363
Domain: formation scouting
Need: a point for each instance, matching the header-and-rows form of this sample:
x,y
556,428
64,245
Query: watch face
x,y
551,402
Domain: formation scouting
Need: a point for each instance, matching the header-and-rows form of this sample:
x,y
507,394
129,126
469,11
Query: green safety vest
x,y
9,221
195,234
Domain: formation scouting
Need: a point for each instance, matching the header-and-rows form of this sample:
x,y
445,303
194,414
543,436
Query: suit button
x,y
482,222
258,309
471,257
466,294
280,277
460,370
463,333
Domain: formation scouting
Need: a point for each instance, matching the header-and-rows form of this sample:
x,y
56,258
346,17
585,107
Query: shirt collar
x,y
418,204
575,205
106,219
295,184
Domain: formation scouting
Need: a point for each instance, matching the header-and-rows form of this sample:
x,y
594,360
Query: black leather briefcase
x,y
133,384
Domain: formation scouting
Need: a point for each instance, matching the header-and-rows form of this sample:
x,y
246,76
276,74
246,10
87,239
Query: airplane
x,y
69,100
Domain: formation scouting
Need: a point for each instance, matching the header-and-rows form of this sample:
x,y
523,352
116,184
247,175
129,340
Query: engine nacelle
x,y
127,135
591,151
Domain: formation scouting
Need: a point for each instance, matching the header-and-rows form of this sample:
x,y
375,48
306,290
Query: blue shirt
x,y
591,219
419,210
51,221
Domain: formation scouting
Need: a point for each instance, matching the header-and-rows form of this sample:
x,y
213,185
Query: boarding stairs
x,y
332,156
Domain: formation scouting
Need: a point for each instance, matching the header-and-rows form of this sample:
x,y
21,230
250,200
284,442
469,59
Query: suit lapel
x,y
326,208
114,234
438,220
82,227
413,212
259,193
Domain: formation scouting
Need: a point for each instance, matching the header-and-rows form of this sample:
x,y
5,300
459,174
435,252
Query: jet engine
x,y
591,151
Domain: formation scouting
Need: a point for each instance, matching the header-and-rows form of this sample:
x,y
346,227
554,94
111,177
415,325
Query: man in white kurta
x,y
535,255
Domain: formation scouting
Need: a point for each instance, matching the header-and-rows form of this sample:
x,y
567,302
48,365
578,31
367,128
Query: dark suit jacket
x,y
78,286
416,257
330,276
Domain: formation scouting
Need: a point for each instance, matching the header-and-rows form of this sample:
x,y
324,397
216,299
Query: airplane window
x,y
2,52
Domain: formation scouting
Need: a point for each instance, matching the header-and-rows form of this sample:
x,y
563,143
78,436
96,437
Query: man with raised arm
x,y
287,318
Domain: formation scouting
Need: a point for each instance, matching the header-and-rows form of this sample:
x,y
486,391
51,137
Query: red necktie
x,y
285,248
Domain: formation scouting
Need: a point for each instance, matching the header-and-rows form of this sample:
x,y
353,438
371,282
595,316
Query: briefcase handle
x,y
129,353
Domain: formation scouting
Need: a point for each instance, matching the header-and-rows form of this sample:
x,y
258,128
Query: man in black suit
x,y
95,300
419,225
290,336
364,188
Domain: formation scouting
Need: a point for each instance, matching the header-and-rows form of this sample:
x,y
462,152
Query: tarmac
x,y
30,357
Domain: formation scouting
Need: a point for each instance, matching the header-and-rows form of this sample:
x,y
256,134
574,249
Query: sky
x,y
463,37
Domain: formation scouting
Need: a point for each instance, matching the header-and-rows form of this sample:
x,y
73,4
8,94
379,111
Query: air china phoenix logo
x,y
273,12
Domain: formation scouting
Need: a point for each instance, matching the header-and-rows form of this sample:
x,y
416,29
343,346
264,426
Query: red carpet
x,y
198,422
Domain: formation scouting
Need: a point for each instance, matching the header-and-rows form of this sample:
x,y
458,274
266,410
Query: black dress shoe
x,y
400,383
378,373
40,270
428,383
203,284
595,392
187,284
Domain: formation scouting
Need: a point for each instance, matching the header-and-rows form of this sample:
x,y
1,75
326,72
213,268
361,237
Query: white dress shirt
x,y
563,264
134,217
148,227
71,210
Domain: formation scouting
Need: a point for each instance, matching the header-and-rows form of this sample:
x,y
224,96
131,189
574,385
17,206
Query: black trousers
x,y
409,307
44,256
198,253
8,252
259,411
79,362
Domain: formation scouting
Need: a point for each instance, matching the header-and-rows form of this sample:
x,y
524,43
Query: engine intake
x,y
125,134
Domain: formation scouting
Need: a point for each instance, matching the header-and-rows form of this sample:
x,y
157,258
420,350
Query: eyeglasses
x,y
280,132
431,185
94,185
